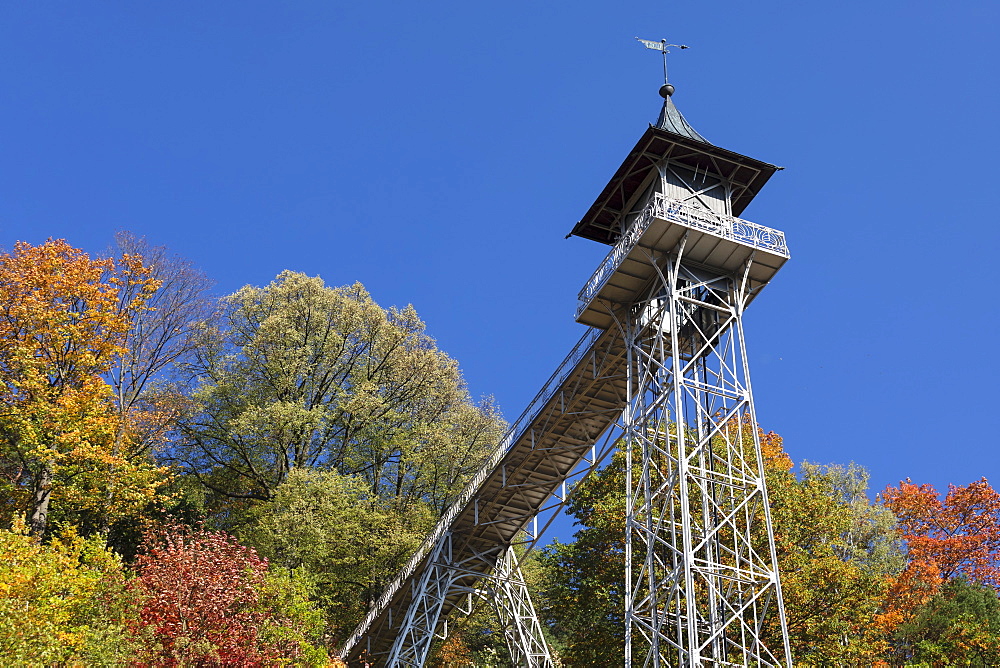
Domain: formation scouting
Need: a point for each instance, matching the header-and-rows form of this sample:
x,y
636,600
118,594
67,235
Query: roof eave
x,y
760,172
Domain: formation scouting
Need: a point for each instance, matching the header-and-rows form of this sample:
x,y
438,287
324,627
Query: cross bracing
x,y
504,588
665,353
702,586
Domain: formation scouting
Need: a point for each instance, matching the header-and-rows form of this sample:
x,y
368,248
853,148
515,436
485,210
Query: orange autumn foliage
x,y
453,653
956,537
60,328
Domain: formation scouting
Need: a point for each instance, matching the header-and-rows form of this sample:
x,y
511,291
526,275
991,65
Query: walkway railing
x,y
516,430
664,208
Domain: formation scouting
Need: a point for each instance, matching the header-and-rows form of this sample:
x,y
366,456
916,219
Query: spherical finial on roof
x,y
666,90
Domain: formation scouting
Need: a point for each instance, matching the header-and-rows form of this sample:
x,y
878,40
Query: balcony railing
x,y
664,208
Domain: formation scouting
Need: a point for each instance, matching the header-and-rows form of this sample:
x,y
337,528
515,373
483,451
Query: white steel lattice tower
x,y
701,583
702,579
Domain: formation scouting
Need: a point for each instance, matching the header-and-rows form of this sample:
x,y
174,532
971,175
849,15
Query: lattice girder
x,y
448,574
702,585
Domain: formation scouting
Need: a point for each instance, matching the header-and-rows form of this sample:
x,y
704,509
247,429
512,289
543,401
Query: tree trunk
x,y
39,512
104,527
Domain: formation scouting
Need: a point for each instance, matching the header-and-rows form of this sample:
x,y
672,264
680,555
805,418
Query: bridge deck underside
x,y
553,443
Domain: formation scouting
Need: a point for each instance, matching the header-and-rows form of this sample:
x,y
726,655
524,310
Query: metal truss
x,y
662,371
418,629
447,575
702,584
508,593
561,437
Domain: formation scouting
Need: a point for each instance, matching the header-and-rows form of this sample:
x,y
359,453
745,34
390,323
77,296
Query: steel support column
x,y
522,631
702,584
504,588
417,632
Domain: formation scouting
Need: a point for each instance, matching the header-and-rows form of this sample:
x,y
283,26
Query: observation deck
x,y
721,244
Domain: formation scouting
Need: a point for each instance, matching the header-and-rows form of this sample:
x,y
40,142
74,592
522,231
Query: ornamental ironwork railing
x,y
662,207
513,434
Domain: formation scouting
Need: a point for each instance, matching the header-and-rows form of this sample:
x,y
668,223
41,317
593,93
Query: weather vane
x,y
663,48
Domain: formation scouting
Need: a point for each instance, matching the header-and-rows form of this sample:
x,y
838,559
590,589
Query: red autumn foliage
x,y
960,536
957,537
199,593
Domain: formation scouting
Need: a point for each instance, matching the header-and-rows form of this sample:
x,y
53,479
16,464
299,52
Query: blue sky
x,y
439,153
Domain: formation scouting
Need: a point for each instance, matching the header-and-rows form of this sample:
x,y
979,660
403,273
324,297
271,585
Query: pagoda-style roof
x,y
672,120
672,137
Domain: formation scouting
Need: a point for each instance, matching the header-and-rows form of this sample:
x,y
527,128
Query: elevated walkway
x,y
550,439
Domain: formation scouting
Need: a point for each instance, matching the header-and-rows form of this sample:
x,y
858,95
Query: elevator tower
x,y
701,582
661,372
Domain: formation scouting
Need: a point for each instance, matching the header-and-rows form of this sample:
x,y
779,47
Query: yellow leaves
x,y
49,593
56,306
59,324
114,490
61,327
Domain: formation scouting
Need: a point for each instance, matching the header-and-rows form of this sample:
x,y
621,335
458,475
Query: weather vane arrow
x,y
663,48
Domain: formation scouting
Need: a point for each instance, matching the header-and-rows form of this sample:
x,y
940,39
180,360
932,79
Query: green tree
x,y
65,602
474,641
331,530
301,375
958,625
582,597
835,553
